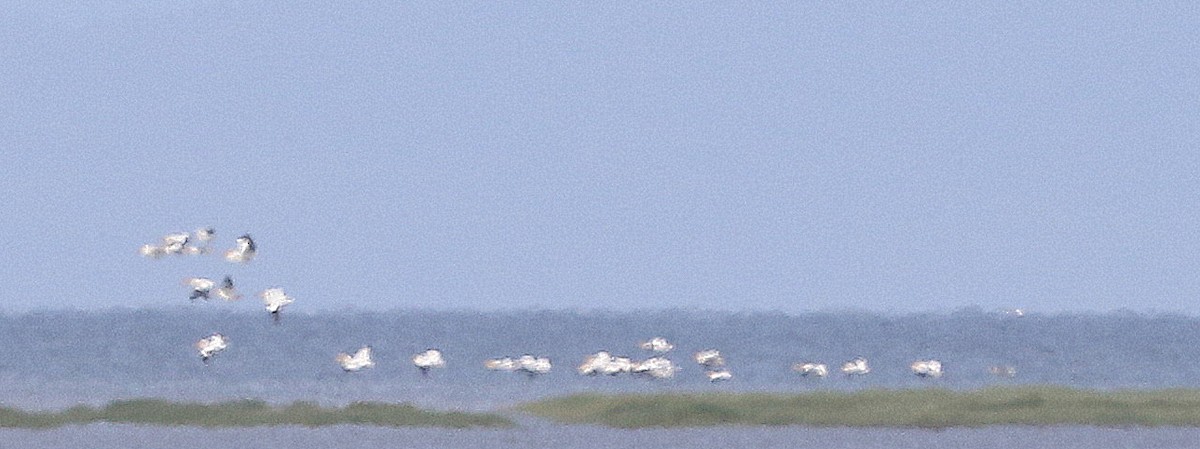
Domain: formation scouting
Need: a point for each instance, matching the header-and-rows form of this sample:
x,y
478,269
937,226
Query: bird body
x,y
227,290
927,368
174,243
431,358
275,299
657,344
655,368
856,367
351,363
710,358
533,366
808,369
200,287
719,375
501,364
244,251
205,234
210,346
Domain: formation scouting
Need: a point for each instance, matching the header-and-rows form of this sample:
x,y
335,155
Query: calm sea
x,y
54,360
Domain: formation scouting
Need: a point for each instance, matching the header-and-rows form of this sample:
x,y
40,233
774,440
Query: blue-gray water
x,y
56,359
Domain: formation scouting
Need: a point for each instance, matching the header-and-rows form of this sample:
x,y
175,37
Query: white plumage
x,y
710,358
275,299
210,346
205,234
810,369
856,367
655,367
244,251
927,368
227,291
361,359
431,358
501,364
718,375
174,243
533,366
604,363
200,287
657,344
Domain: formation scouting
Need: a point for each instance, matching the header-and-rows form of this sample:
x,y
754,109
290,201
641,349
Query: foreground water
x,y
57,359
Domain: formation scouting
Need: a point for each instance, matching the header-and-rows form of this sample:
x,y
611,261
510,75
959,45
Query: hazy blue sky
x,y
895,156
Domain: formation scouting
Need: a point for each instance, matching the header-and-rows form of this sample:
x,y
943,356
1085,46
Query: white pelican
x,y
1003,371
858,367
205,234
807,369
655,367
243,252
710,358
174,243
227,291
210,346
718,375
594,364
275,299
657,344
501,364
927,368
431,358
533,366
604,363
200,287
352,363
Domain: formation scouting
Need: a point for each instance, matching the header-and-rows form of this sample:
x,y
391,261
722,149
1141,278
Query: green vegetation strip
x,y
925,408
249,413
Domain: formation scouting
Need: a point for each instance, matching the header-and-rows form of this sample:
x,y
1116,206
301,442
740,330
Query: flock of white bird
x,y
657,366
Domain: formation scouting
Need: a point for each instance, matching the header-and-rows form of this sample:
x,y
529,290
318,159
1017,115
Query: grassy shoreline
x,y
922,408
248,413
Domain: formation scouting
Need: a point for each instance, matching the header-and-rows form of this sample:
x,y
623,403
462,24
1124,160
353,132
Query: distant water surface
x,y
57,359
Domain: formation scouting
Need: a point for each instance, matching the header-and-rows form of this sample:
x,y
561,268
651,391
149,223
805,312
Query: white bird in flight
x,y
710,358
425,361
808,369
210,346
501,364
856,367
200,287
275,299
351,363
657,344
533,366
655,367
243,252
718,375
927,368
174,243
205,234
227,290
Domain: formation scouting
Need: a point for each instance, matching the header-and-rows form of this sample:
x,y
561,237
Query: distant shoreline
x,y
248,413
916,408
900,408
